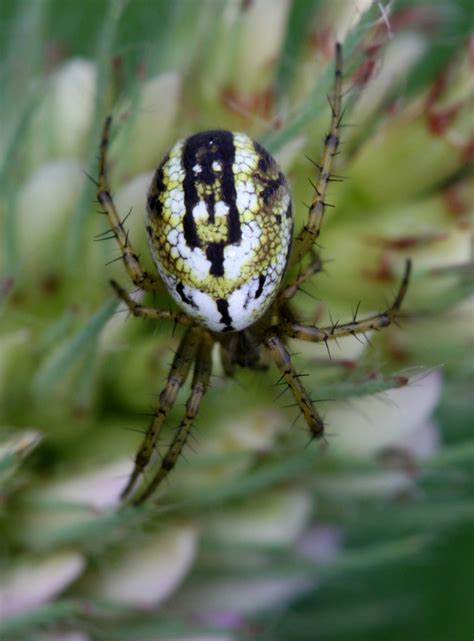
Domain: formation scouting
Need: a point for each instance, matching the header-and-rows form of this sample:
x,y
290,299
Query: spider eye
x,y
219,223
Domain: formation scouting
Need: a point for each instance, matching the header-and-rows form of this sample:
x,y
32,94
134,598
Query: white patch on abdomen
x,y
207,310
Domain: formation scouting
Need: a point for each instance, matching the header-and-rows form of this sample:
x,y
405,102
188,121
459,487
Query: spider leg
x,y
178,374
310,232
129,256
292,287
376,321
282,360
151,312
201,377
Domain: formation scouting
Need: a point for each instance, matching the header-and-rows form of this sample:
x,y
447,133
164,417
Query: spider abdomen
x,y
219,223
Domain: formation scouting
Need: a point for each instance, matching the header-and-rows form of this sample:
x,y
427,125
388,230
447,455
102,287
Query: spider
x,y
219,223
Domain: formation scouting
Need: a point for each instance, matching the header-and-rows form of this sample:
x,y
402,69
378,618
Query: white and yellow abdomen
x,y
219,224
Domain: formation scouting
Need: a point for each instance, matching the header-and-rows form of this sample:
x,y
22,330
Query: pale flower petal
x,y
262,30
423,442
239,596
74,90
21,443
144,140
97,489
274,518
44,204
365,425
255,432
399,57
321,544
32,584
147,575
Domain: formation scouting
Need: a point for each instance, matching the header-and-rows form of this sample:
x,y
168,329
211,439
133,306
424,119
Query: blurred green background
x,y
256,535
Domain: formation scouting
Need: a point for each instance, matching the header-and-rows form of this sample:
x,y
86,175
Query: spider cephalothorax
x,y
219,224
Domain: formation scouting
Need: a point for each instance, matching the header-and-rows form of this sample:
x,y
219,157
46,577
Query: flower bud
x,y
45,202
376,248
142,142
261,36
64,119
238,596
368,424
397,60
272,518
149,573
422,145
33,583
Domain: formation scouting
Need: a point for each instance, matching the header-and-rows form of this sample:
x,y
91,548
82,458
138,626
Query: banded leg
x,y
201,377
376,321
292,287
151,312
310,232
180,368
130,258
282,360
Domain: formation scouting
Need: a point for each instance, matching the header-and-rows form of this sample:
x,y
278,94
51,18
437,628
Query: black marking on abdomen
x,y
155,207
229,195
261,282
272,185
210,200
191,197
182,295
223,308
215,254
265,161
204,149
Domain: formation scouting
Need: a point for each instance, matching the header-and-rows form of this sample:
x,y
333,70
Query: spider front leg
x,y
310,232
200,384
179,371
129,256
376,321
282,360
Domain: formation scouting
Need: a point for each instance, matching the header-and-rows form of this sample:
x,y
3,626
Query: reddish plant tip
x,y
258,104
439,121
383,272
323,40
456,205
401,243
366,70
348,364
6,284
467,153
470,48
421,17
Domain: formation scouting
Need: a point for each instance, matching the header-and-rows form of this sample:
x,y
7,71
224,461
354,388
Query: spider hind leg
x,y
282,359
199,386
182,362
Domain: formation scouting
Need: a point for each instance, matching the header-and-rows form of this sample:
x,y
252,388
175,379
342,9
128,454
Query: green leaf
x,y
55,367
